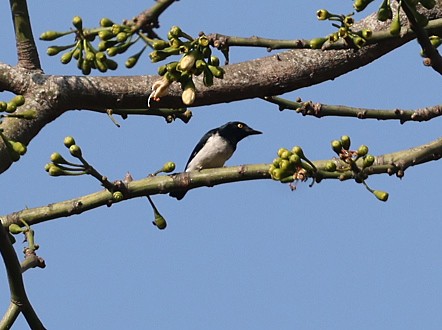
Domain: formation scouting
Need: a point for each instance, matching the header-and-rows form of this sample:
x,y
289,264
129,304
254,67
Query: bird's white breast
x,y
214,153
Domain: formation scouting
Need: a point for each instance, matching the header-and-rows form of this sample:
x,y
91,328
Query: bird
x,y
215,148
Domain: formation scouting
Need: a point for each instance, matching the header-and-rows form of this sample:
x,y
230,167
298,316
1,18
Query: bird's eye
x,y
240,125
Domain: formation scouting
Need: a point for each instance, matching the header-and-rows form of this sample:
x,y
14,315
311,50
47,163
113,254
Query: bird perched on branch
x,y
215,148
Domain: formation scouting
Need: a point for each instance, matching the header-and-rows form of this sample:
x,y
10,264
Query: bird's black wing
x,y
180,194
200,145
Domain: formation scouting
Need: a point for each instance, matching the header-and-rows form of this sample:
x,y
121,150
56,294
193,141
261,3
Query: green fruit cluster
x,y
385,12
342,148
196,59
11,107
114,39
344,32
288,164
15,149
59,166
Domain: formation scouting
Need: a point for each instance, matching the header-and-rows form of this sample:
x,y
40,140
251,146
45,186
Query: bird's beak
x,y
251,131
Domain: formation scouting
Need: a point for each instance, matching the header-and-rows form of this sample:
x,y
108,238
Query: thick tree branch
x,y
393,163
26,49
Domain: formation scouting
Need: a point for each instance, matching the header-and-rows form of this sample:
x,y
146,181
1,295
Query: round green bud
x,y
57,158
105,35
298,150
159,44
75,150
360,5
102,45
284,165
51,35
159,221
3,105
343,32
368,161
101,65
395,26
285,154
19,100
281,151
48,166
216,71
10,107
175,32
86,67
208,78
77,22
169,167
336,146
362,150
214,60
276,174
276,162
203,41
66,57
29,114
345,142
333,37
121,36
385,13
358,41
15,229
54,50
322,14
330,166
295,159
367,33
106,22
112,51
68,141
90,56
18,147
316,43
131,61
381,195
77,53
55,170
162,69
349,21
116,28
117,196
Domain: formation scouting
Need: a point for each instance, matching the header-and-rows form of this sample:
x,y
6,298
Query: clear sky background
x,y
246,255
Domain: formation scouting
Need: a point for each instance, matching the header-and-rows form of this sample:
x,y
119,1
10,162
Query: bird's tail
x,y
178,194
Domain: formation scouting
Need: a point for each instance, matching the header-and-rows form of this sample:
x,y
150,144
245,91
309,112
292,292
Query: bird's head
x,y
235,131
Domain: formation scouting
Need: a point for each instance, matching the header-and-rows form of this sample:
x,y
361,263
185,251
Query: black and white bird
x,y
215,148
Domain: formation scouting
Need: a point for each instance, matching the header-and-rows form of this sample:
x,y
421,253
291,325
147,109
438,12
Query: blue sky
x,y
253,255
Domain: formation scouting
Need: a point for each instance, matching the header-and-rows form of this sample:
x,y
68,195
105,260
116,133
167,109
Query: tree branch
x,y
17,289
433,57
393,163
26,49
308,108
